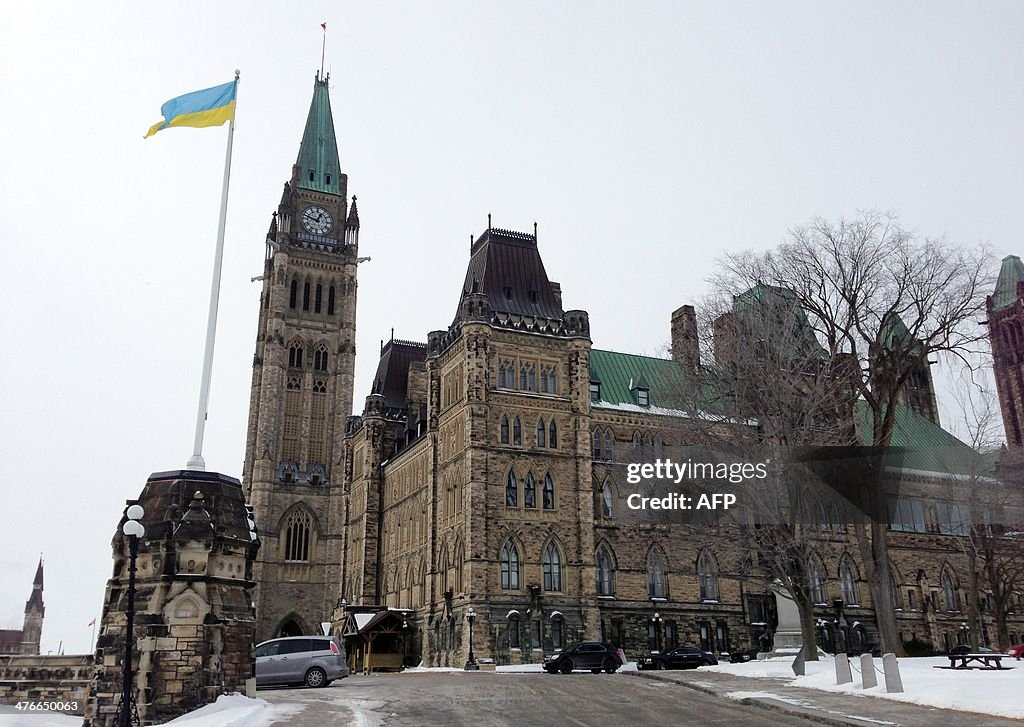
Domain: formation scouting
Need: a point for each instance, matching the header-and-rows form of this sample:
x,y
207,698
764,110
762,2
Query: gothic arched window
x,y
319,297
517,432
296,536
320,358
553,435
597,444
603,571
707,577
657,585
504,429
295,355
294,294
530,491
552,564
848,583
330,301
609,452
512,490
305,296
549,493
949,592
542,433
606,499
816,581
509,566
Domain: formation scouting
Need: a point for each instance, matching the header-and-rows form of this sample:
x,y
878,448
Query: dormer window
x,y
595,391
327,179
534,296
643,396
508,292
312,175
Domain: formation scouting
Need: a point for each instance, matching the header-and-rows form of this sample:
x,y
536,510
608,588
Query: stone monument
x,y
194,618
788,636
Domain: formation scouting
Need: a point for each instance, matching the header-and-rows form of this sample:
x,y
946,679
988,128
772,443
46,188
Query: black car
x,y
741,656
591,655
681,657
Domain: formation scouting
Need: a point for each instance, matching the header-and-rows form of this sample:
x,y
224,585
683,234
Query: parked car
x,y
681,657
738,657
592,655
315,661
1017,652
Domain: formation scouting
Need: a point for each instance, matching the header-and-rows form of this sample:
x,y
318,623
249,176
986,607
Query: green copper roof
x,y
773,312
1011,273
669,385
894,333
318,154
926,446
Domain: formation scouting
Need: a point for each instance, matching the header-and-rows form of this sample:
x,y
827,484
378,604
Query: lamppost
x,y
127,711
405,639
965,633
656,622
471,665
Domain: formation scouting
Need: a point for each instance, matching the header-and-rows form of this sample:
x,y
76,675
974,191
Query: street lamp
x,y
471,665
965,633
127,711
656,621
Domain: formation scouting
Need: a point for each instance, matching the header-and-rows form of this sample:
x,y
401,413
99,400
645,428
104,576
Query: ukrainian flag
x,y
209,107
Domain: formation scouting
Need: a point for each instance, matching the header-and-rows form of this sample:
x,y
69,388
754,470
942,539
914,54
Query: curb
x,y
767,704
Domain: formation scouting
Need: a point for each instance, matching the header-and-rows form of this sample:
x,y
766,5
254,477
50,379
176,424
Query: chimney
x,y
685,348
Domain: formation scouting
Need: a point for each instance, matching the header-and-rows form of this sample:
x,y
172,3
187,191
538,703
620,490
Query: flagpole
x,y
323,48
92,639
196,461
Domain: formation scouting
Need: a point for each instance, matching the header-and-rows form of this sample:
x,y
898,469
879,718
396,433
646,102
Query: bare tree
x,y
767,375
880,301
992,500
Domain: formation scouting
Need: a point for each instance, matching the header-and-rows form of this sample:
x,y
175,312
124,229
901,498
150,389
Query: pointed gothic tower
x,y
1006,335
302,385
32,630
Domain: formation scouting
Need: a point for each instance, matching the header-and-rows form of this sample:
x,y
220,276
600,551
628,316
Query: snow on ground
x,y
996,692
230,710
38,719
235,710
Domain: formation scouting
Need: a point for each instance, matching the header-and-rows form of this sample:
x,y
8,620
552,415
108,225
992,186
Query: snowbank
x,y
231,710
996,692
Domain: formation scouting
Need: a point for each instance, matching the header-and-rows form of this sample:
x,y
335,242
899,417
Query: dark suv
x,y
681,657
591,655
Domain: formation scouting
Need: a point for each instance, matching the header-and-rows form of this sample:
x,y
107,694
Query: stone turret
x,y
194,617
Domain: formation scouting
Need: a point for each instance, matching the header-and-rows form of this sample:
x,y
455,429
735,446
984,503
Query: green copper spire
x,y
318,165
1011,273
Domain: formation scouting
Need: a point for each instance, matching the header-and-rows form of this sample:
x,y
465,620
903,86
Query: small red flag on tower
x,y
323,25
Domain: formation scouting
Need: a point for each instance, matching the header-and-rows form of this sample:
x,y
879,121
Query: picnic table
x,y
976,661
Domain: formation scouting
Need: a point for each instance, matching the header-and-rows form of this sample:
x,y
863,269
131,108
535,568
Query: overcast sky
x,y
643,138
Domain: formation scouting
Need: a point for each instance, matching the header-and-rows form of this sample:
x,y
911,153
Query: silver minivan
x,y
315,661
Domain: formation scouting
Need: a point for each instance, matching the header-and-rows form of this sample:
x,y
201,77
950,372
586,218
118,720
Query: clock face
x,y
317,220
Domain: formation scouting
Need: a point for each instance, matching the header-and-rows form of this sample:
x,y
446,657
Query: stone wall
x,y
47,678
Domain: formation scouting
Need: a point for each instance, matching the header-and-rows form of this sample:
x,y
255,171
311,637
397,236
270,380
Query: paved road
x,y
515,700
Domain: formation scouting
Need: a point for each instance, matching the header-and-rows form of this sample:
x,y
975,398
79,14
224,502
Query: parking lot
x,y
450,699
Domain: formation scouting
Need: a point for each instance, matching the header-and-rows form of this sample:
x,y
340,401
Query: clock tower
x,y
302,386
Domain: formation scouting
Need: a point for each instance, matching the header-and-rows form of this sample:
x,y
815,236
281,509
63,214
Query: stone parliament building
x,y
486,469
